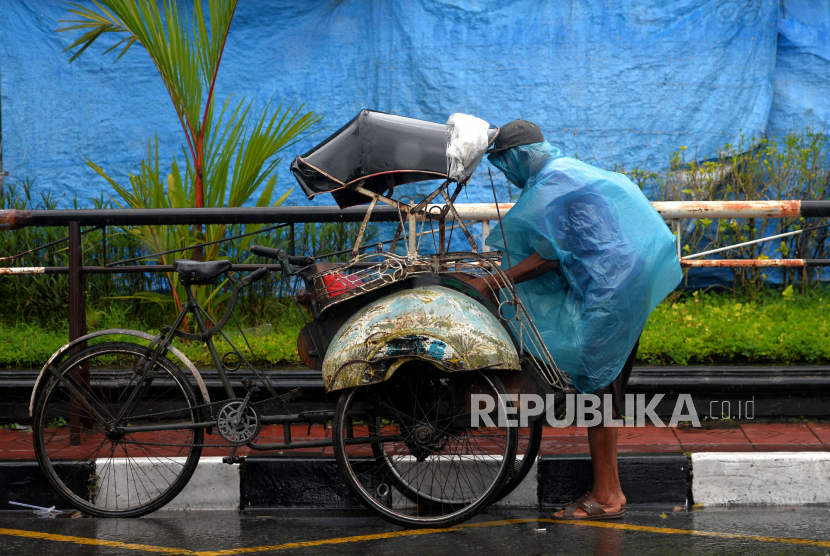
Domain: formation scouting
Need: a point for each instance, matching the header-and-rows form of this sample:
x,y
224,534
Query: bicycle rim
x,y
121,474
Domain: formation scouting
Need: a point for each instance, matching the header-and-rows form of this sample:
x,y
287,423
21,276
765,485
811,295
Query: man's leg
x,y
620,495
602,442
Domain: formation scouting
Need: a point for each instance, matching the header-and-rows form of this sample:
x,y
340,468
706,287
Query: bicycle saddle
x,y
198,271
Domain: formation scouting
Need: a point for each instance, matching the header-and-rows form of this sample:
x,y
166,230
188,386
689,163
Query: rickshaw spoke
x,y
440,473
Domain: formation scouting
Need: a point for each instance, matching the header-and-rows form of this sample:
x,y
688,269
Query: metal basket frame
x,y
371,271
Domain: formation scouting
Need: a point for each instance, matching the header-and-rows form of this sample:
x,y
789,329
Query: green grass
x,y
775,328
277,348
778,327
30,346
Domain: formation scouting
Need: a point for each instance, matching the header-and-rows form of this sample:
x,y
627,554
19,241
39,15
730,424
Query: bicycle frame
x,y
163,341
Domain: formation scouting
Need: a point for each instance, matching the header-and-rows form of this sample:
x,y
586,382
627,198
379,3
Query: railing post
x,y
78,417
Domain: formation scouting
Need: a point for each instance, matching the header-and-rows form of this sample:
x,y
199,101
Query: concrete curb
x,y
214,486
653,479
761,478
311,482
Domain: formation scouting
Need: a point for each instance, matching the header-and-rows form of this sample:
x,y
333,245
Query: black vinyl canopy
x,y
382,149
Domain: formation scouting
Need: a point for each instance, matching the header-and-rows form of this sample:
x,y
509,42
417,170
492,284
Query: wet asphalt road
x,y
642,532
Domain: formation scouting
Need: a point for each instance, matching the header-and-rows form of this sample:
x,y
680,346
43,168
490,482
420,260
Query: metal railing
x,y
483,213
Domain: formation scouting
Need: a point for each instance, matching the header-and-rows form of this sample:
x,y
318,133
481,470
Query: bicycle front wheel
x,y
82,432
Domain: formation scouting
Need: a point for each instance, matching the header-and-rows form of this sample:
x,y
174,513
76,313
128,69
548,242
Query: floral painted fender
x,y
434,324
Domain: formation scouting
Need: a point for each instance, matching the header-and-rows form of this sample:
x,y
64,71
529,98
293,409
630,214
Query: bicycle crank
x,y
238,422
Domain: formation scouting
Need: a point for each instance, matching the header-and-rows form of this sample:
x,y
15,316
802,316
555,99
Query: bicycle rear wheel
x,y
97,465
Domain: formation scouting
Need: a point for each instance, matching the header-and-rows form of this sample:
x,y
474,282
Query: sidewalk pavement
x,y
745,463
573,440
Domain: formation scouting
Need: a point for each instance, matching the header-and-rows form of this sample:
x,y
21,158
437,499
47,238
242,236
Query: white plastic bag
x,y
466,142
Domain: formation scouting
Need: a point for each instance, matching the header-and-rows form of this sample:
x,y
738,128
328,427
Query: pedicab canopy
x,y
384,151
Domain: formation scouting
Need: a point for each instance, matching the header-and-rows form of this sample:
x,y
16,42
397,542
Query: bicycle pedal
x,y
230,460
249,386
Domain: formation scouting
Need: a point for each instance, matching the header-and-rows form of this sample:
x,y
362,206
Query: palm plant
x,y
230,152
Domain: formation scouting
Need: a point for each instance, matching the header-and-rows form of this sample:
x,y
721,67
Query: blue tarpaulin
x,y
620,83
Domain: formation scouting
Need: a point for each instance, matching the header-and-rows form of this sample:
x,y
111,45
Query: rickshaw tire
x,y
522,469
403,521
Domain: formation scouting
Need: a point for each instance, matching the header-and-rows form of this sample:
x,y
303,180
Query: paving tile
x,y
564,440
16,445
548,448
647,440
713,440
574,440
822,431
649,448
569,440
699,448
565,431
782,437
646,435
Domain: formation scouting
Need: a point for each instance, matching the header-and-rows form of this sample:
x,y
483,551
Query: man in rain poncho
x,y
591,260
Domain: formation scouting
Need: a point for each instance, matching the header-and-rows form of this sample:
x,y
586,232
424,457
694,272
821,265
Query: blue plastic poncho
x,y
618,259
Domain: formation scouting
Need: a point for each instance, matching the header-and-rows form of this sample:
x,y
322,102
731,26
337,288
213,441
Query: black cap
x,y
516,133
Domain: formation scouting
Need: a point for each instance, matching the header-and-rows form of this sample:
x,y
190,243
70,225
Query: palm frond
x,y
230,152
98,25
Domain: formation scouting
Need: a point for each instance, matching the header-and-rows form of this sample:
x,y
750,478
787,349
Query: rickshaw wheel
x,y
530,440
408,450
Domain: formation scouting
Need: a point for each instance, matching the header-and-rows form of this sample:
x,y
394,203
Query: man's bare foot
x,y
609,506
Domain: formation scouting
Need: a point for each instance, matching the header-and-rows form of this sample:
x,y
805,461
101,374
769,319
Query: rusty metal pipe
x,y
731,209
738,263
674,210
31,270
12,219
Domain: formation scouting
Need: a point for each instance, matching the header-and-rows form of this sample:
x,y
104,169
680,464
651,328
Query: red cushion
x,y
339,283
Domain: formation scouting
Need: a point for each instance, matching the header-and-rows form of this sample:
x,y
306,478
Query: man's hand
x,y
483,286
528,269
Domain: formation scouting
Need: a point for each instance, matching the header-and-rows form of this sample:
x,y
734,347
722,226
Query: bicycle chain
x,y
161,413
171,411
206,405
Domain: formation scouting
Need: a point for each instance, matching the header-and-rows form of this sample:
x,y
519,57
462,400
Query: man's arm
x,y
528,269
